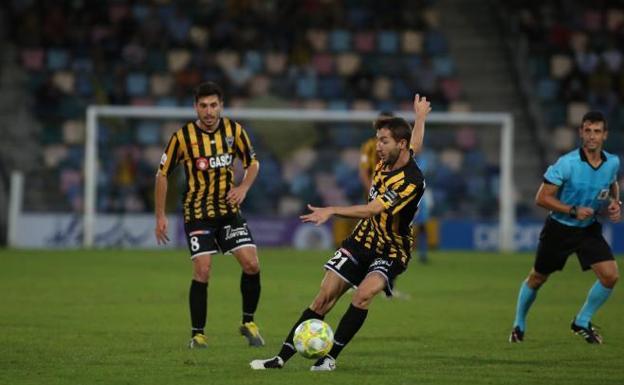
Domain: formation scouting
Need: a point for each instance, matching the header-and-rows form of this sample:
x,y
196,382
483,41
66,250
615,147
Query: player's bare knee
x,y
535,280
362,298
609,280
251,267
201,273
323,303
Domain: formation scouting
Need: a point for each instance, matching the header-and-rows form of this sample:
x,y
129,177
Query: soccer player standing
x,y
206,148
577,189
378,249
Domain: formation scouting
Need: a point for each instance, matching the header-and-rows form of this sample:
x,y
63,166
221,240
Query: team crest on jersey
x,y
201,163
229,140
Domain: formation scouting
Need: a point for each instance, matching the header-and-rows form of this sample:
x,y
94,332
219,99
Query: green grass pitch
x,y
121,317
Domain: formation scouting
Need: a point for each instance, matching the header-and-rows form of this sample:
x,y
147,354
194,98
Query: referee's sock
x,y
288,348
350,323
526,296
596,297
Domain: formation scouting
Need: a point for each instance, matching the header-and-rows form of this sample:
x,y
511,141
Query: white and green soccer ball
x,y
313,338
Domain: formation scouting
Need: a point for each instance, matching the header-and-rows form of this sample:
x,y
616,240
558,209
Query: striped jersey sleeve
x,y
398,195
170,158
244,149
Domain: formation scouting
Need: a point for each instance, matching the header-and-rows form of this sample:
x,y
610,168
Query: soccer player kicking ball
x,y
577,189
378,249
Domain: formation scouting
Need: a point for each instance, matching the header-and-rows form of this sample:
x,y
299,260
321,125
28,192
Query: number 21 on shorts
x,y
337,260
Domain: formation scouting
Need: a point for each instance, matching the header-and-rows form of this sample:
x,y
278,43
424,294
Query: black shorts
x,y
211,236
557,241
353,264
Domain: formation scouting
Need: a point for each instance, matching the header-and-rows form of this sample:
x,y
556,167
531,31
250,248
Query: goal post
x,y
504,121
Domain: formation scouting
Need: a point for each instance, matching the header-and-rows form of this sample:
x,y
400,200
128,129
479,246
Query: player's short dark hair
x,y
594,117
382,115
208,89
399,128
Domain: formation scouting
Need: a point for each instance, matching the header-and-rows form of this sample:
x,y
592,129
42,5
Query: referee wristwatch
x,y
572,212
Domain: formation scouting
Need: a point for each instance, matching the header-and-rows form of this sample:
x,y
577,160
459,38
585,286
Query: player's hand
x,y
421,106
237,195
614,211
318,215
161,230
583,213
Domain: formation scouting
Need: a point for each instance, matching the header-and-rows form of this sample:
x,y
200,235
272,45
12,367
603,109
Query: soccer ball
x,y
313,338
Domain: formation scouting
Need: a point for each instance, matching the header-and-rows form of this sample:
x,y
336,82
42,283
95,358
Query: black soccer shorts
x,y
557,241
223,234
353,264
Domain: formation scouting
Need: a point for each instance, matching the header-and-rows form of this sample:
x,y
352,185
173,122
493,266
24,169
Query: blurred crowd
x,y
576,60
321,54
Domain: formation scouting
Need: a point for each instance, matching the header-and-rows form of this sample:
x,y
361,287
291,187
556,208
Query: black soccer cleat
x,y
588,333
517,335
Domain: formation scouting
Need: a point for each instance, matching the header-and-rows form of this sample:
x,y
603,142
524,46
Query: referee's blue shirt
x,y
582,185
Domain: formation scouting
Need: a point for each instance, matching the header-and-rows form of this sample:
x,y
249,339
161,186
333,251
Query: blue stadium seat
x,y
388,42
340,40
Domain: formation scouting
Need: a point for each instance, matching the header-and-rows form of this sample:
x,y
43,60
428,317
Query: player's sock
x,y
198,303
596,297
250,289
526,296
288,347
351,322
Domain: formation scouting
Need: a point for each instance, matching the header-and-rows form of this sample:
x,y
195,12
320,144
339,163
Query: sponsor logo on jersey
x,y
201,163
223,160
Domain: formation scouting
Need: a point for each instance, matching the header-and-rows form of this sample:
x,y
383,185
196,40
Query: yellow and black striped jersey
x,y
388,233
368,156
208,160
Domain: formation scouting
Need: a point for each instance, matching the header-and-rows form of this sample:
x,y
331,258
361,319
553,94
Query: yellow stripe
x,y
221,183
189,169
229,132
408,190
170,155
209,178
193,138
200,174
395,179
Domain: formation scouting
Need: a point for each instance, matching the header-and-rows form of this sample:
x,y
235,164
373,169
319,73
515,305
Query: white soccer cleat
x,y
270,363
324,364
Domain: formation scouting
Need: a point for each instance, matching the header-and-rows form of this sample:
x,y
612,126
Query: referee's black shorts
x,y
557,241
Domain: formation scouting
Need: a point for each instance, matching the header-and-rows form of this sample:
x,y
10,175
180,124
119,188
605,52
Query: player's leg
x,y
332,288
247,257
607,273
597,255
526,297
381,276
553,249
201,242
353,319
198,299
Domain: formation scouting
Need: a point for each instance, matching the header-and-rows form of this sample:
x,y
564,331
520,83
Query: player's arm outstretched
x,y
320,215
422,107
547,198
